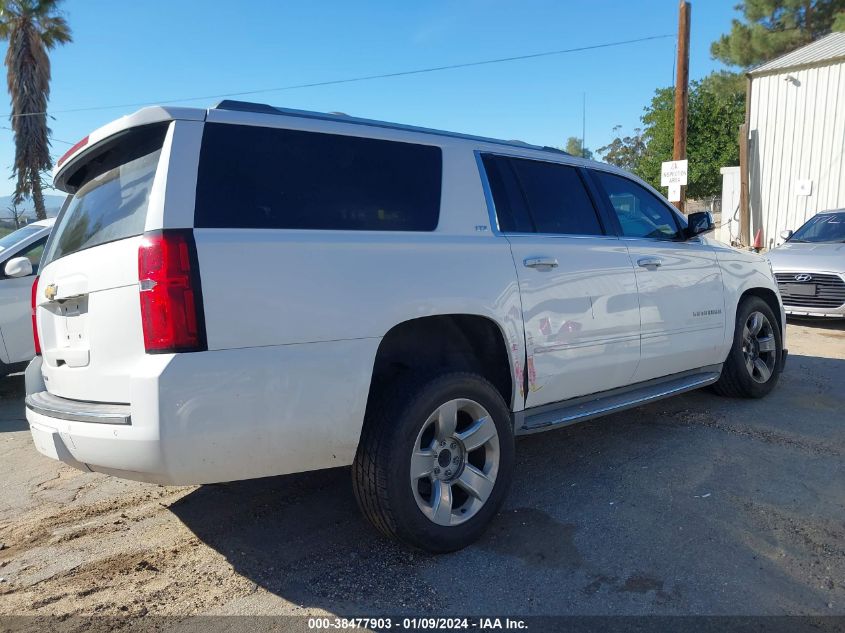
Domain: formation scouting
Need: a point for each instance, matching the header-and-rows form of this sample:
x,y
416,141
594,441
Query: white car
x,y
248,291
810,266
20,253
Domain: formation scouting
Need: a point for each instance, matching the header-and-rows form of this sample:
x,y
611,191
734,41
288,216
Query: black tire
x,y
736,380
381,470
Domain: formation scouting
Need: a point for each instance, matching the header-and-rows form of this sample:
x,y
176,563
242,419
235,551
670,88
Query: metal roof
x,y
827,49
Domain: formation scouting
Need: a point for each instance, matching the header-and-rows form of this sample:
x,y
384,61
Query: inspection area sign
x,y
674,193
673,172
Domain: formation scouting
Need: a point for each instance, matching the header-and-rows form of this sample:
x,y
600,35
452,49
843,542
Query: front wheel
x,y
754,362
435,460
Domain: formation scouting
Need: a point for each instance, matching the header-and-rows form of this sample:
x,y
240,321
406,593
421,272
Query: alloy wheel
x,y
454,462
759,347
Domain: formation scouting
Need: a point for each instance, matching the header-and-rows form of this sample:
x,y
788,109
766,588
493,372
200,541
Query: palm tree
x,y
31,27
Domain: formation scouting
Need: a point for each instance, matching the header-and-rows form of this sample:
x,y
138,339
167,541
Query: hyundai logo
x,y
803,277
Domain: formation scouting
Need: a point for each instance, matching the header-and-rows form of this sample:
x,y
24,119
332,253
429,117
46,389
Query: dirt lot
x,y
696,505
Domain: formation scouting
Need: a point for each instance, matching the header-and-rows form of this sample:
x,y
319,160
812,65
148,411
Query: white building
x,y
796,137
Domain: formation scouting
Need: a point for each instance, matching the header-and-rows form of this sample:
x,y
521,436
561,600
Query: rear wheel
x,y
753,364
435,460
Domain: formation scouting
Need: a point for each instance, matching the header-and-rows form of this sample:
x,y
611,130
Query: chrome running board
x,y
584,408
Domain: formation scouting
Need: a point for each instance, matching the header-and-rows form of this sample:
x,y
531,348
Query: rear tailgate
x,y
87,300
90,332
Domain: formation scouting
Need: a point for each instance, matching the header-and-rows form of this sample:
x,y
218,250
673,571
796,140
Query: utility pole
x,y
583,124
679,149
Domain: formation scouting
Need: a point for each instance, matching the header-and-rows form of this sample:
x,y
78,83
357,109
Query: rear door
x,y
679,281
15,311
87,301
579,295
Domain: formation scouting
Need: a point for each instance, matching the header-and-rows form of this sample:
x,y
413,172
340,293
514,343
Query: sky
x,y
125,54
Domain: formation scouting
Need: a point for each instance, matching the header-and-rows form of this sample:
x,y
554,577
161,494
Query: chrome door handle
x,y
540,262
650,262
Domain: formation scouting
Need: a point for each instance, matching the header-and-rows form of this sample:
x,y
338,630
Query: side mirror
x,y
18,267
699,222
785,235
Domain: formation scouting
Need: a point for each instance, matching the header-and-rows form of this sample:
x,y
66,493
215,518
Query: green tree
x,y
31,28
714,119
770,28
712,137
658,134
725,83
573,146
625,152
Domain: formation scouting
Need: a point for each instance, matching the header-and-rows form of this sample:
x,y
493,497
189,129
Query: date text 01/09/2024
x,y
417,623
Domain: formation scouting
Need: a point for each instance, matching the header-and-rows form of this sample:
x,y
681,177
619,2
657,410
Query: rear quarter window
x,y
258,177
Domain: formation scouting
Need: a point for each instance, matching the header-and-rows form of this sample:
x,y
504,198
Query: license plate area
x,y
69,329
801,290
72,313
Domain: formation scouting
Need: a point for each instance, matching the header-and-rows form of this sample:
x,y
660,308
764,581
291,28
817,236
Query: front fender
x,y
744,272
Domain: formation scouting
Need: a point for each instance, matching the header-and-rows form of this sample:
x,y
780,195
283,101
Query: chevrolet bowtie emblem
x,y
50,291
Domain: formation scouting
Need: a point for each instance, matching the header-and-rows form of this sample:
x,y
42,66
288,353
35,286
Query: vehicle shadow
x,y
301,537
12,414
647,511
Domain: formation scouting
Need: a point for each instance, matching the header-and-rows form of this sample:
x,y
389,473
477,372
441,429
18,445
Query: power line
x,y
335,82
57,140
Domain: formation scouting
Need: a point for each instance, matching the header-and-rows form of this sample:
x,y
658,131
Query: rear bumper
x,y
216,416
98,447
87,435
51,406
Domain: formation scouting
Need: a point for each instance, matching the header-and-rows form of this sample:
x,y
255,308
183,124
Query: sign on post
x,y
673,172
674,193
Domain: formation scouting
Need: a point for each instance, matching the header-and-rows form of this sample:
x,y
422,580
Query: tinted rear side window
x,y
539,197
556,198
258,177
511,212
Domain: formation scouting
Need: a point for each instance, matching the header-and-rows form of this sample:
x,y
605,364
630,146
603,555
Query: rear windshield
x,y
112,191
258,177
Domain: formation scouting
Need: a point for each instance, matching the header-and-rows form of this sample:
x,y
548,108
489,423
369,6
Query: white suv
x,y
248,291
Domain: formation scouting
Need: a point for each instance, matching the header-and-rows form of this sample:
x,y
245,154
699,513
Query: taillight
x,y
34,322
171,298
72,150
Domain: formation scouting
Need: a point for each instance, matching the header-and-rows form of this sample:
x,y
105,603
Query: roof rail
x,y
263,108
245,106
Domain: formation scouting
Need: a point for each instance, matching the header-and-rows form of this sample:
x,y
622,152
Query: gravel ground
x,y
695,505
